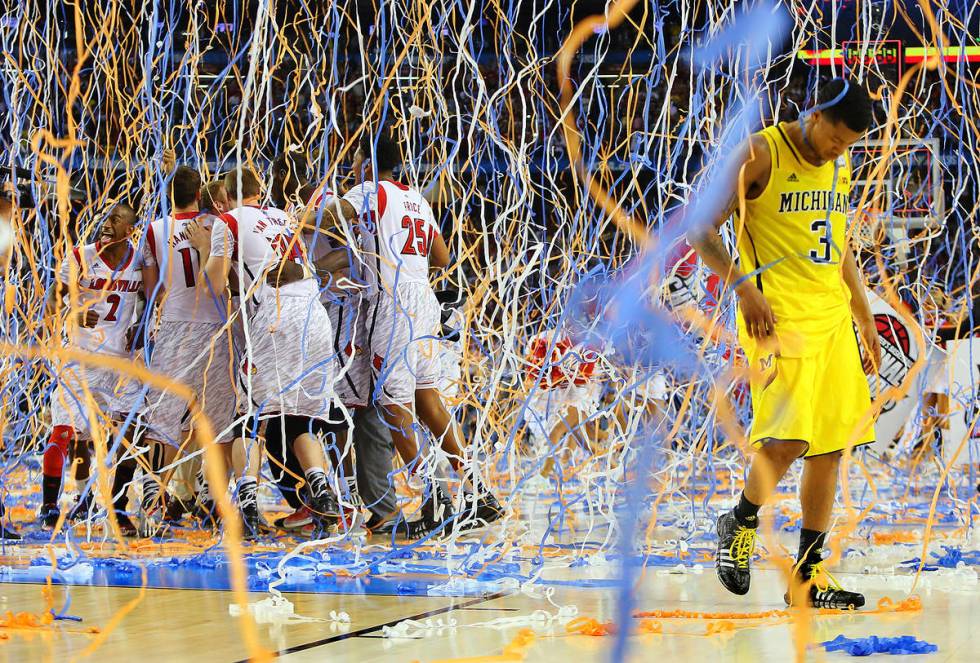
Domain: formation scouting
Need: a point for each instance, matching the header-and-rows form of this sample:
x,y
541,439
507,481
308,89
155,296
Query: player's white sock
x,y
352,495
151,493
316,478
200,481
248,489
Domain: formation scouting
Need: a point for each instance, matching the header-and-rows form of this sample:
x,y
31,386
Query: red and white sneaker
x,y
298,519
351,522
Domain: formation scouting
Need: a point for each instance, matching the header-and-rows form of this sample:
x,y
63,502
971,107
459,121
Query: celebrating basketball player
x,y
400,242
291,369
108,275
191,345
799,295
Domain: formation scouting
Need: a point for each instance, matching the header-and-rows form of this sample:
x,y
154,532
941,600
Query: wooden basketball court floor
x,y
194,625
182,614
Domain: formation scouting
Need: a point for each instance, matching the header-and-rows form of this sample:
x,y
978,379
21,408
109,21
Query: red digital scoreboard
x,y
883,58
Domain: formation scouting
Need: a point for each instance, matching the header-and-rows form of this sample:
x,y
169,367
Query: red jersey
x,y
565,364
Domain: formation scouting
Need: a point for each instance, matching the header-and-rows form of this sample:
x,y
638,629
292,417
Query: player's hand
x,y
199,237
169,161
135,339
88,319
285,272
868,330
760,321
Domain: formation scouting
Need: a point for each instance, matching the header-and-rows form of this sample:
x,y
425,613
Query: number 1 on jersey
x,y
185,257
287,248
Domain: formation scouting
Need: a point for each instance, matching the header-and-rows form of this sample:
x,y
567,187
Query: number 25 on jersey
x,y
418,241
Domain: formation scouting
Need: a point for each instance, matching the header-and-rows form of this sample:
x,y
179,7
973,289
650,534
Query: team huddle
x,y
278,323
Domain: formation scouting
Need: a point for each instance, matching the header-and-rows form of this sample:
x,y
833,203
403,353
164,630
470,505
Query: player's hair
x,y
129,208
211,191
852,107
289,173
185,186
292,164
251,184
382,149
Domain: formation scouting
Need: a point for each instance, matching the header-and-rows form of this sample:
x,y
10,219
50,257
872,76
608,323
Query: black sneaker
x,y
206,512
8,534
174,512
825,592
325,507
437,508
487,510
375,522
82,508
395,524
49,516
735,545
126,525
418,529
251,522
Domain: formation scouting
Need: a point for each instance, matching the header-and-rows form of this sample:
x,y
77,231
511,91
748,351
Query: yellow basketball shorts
x,y
822,399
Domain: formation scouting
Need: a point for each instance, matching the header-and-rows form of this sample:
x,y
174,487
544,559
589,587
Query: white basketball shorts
x,y
198,355
403,338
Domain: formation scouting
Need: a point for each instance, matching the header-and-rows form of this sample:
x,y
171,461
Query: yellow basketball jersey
x,y
792,242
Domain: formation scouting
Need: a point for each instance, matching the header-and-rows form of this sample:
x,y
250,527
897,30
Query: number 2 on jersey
x,y
418,241
113,300
826,240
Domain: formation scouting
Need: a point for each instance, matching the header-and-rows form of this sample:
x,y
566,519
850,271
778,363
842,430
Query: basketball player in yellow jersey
x,y
799,295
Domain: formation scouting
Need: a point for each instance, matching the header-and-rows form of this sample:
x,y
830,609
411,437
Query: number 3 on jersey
x,y
826,240
418,241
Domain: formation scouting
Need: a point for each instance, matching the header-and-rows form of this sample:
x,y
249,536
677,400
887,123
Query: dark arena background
x,y
588,357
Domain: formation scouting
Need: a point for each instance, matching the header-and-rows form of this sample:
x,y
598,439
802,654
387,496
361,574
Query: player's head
x,y
840,117
185,187
289,174
242,183
118,225
214,198
377,155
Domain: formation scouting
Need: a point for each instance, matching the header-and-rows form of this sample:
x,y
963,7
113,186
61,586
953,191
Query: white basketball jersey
x,y
318,244
167,247
397,229
257,238
112,292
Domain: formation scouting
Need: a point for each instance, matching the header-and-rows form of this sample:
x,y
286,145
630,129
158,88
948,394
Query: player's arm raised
x,y
750,176
324,218
861,312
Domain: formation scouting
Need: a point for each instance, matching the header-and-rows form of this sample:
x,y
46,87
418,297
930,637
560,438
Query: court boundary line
x,y
371,629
